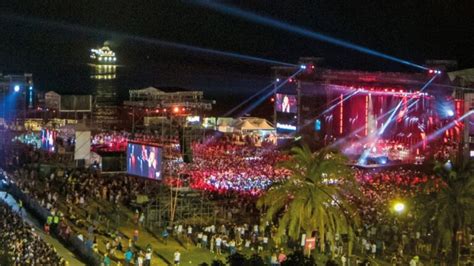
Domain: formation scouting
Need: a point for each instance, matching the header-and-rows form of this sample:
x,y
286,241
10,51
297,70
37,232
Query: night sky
x,y
412,30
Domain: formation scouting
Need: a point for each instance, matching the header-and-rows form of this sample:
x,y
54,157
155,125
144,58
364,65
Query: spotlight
x,y
431,71
450,112
278,80
303,66
31,88
17,88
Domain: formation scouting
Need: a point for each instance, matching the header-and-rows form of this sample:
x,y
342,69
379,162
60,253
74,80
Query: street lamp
x,y
399,207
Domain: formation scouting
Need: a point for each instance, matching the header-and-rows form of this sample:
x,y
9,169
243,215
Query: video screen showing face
x,y
48,137
144,161
285,103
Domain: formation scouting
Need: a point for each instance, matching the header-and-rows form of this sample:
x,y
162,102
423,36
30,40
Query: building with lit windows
x,y
104,63
151,104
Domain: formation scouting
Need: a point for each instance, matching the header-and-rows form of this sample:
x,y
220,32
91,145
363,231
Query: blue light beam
x,y
167,44
249,99
268,94
363,158
299,30
440,131
410,105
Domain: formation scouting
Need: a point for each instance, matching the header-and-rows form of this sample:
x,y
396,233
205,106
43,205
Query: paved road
x,y
62,250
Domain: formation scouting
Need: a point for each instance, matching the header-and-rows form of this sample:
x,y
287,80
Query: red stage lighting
x,y
431,71
176,109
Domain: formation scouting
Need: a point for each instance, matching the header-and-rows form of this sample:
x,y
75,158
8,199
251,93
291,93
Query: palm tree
x,y
314,198
451,204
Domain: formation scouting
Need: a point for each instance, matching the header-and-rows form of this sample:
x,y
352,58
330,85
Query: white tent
x,y
252,124
224,124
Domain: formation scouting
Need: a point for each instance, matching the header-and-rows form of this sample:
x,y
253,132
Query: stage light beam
x,y
167,44
250,98
268,94
299,30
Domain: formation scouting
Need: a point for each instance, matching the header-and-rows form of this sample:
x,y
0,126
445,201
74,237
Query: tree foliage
x,y
314,198
449,204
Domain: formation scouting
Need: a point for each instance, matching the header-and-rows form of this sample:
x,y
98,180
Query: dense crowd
x,y
114,141
386,233
22,244
67,195
380,186
224,167
227,166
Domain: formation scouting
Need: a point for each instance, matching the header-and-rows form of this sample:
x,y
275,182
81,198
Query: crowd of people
x,y
21,244
110,141
386,233
231,238
226,167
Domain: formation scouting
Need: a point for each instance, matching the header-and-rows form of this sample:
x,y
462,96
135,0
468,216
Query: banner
x,y
82,150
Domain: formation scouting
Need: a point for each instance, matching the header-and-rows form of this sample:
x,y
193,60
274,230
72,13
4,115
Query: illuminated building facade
x,y
150,104
104,74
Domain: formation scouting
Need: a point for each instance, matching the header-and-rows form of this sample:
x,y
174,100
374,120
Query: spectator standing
x,y
177,257
148,257
218,245
128,257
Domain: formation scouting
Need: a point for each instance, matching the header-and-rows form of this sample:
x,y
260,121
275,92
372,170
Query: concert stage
x,y
382,117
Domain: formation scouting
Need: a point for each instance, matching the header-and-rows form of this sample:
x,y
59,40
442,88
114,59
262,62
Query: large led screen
x,y
144,160
285,103
48,138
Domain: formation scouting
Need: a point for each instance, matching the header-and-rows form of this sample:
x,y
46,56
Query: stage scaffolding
x,y
165,115
192,207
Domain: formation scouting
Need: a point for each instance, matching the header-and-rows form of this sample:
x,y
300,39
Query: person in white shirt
x,y
367,248
177,257
148,257
199,240
343,260
190,231
180,230
414,261
218,245
265,242
140,260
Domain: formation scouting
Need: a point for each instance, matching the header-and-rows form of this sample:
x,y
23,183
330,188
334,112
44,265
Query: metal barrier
x,y
42,213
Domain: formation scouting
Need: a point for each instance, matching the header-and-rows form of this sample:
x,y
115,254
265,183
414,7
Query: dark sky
x,y
410,29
